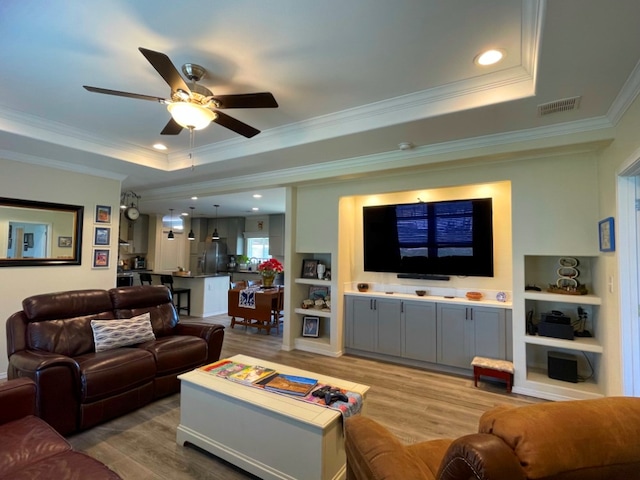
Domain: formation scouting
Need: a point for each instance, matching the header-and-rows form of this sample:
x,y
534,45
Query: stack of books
x,y
262,377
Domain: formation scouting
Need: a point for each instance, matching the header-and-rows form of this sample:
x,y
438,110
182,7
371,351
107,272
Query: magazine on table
x,y
224,368
252,374
289,384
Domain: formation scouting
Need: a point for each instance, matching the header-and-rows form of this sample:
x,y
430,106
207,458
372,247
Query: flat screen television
x,y
453,237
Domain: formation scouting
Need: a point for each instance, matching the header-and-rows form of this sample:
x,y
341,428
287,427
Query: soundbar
x,y
423,276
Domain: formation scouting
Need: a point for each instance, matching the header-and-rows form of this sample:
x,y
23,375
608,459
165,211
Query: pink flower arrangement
x,y
270,267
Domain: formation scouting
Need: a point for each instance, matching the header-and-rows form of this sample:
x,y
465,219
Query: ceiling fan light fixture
x,y
191,115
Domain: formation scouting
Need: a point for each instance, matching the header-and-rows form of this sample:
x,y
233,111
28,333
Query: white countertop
x,y
485,302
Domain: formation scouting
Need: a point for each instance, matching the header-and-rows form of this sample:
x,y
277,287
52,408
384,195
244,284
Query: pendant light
x,y
192,236
215,235
170,236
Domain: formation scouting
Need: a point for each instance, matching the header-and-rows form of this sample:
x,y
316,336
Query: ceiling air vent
x,y
564,105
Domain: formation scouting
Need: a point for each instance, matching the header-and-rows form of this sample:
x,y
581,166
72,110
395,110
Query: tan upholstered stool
x,y
489,367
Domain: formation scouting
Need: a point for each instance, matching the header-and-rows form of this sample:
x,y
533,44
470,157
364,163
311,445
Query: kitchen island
x,y
208,291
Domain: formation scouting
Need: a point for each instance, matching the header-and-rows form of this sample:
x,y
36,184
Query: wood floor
x,y
414,404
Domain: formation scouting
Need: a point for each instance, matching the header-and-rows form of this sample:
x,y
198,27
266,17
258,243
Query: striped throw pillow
x,y
110,334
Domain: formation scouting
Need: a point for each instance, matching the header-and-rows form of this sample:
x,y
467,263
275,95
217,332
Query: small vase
x,y
267,280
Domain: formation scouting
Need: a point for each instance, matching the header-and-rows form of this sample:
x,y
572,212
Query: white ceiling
x,y
353,80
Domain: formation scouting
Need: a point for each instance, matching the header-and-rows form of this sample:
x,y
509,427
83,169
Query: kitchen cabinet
x,y
464,332
138,235
276,235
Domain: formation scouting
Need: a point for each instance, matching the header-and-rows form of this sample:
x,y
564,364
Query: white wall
x,y
30,182
627,141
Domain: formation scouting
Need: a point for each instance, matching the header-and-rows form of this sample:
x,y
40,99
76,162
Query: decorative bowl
x,y
421,293
474,295
363,287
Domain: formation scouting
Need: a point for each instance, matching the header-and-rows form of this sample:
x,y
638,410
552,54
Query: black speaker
x,y
562,366
556,330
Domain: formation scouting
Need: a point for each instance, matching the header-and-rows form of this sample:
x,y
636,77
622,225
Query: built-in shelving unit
x,y
323,344
542,271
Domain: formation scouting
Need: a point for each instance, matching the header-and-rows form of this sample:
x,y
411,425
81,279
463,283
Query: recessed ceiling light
x,y
159,146
490,57
257,195
194,198
184,214
255,209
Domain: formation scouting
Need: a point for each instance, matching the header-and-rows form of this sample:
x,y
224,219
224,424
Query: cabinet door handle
x,y
375,304
401,307
471,314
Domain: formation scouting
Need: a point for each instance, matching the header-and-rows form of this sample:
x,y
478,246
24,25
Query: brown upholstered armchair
x,y
30,448
583,439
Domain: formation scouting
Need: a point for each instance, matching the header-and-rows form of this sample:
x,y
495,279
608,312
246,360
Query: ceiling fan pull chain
x,y
191,143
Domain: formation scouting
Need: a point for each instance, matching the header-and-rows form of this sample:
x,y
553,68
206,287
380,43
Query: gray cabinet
x,y
419,332
138,235
438,333
464,332
361,323
276,235
389,326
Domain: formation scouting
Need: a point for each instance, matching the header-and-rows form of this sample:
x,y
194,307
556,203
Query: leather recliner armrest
x,y
213,334
480,456
17,399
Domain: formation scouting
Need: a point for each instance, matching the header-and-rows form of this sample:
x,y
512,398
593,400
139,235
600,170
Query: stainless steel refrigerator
x,y
211,257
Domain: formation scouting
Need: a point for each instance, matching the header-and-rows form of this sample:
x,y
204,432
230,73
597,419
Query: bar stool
x,y
145,278
176,293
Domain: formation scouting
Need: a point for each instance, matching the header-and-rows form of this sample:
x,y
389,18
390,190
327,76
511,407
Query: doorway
x,y
629,268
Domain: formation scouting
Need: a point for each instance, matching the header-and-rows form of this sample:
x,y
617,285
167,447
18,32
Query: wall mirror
x,y
39,233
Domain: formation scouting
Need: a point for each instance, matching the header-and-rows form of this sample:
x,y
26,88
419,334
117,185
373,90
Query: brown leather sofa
x,y
32,449
570,440
51,341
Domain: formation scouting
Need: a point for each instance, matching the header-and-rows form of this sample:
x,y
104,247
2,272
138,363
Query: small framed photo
x,y
65,242
101,258
28,240
310,268
101,236
606,234
310,326
103,214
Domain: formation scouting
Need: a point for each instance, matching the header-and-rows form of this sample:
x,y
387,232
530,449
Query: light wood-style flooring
x,y
414,404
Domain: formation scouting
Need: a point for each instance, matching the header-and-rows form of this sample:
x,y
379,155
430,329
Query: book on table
x,y
290,384
252,374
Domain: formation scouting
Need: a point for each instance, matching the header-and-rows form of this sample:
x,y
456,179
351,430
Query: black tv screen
x,y
453,237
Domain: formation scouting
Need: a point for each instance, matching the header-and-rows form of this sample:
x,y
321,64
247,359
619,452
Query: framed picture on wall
x,y
607,235
310,326
310,268
101,258
65,242
103,214
101,236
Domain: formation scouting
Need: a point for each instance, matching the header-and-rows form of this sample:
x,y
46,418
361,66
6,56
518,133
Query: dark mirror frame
x,y
76,258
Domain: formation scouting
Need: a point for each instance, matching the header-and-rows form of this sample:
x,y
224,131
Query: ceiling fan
x,y
195,107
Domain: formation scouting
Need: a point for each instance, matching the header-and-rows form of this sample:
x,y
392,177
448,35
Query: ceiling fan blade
x,y
125,94
236,125
246,100
166,69
171,128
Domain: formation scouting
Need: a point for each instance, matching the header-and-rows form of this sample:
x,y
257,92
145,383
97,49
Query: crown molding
x,y
625,97
57,133
60,165
570,133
